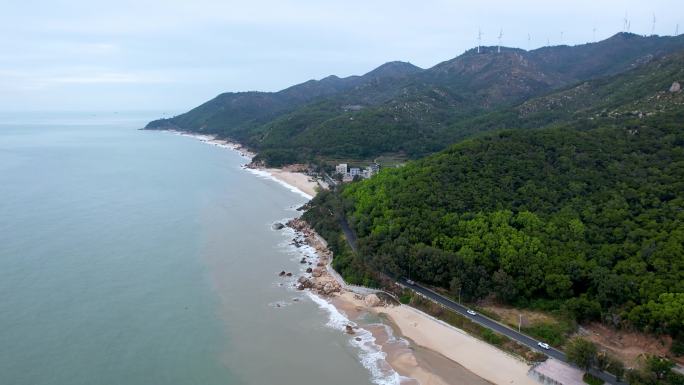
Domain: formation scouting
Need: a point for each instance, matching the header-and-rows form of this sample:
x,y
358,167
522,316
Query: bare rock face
x,y
675,87
372,300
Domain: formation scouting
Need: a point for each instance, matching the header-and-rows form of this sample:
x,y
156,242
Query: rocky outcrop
x,y
326,288
372,300
304,283
675,87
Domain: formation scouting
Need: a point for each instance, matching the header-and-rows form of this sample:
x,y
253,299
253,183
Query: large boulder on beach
x,y
349,329
329,288
304,283
372,300
316,272
278,226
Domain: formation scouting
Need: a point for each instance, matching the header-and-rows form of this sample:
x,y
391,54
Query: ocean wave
x,y
370,354
267,175
211,140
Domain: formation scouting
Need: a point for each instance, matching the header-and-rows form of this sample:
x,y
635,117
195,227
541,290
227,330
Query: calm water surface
x,y
134,257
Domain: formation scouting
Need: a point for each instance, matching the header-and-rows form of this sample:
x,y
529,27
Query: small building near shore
x,y
341,168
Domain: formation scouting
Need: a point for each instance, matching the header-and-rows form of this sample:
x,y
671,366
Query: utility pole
x,y
519,321
459,295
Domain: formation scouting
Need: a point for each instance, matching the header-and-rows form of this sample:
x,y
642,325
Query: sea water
x,y
140,257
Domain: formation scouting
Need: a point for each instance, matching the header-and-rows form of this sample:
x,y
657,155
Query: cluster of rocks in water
x,y
304,237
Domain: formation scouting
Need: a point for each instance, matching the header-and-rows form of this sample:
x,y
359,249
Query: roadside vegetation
x,y
653,370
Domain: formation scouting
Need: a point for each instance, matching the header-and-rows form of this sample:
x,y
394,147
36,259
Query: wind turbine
x,y
529,39
500,36
593,34
677,30
653,25
479,39
625,22
561,37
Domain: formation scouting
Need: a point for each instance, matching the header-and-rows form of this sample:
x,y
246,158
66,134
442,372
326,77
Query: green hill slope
x,y
586,218
401,109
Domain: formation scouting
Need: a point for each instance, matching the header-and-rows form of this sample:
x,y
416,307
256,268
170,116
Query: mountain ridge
x,y
306,122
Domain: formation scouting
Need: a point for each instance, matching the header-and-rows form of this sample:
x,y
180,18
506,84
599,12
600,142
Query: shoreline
x,y
432,352
406,346
294,181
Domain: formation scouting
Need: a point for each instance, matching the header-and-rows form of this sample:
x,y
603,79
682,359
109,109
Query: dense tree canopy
x,y
589,221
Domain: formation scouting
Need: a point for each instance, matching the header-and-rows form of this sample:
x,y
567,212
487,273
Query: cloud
x,y
191,50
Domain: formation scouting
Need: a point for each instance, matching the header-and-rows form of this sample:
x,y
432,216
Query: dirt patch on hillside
x,y
511,316
628,345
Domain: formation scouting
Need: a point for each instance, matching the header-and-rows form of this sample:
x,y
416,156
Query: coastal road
x,y
500,328
348,233
480,319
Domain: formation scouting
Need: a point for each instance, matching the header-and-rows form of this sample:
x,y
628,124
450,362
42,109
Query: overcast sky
x,y
172,55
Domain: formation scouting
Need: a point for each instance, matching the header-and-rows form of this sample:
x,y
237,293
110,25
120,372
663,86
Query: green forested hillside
x,y
399,109
589,221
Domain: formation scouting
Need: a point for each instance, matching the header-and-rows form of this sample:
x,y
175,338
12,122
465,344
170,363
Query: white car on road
x,y
544,345
471,312
410,282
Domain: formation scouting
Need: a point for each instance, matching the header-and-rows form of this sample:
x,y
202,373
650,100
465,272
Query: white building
x,y
341,168
354,171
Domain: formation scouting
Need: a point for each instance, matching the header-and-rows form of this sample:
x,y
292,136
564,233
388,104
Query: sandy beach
x,y
299,180
424,349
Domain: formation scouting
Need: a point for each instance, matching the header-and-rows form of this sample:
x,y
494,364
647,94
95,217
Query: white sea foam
x,y
267,175
210,139
370,354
